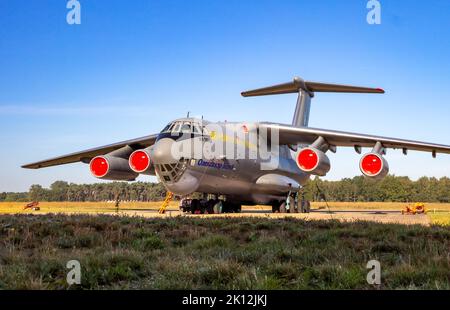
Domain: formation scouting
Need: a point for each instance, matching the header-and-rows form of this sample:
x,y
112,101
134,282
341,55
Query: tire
x,y
218,207
294,208
283,207
195,206
275,207
203,206
210,206
238,208
228,207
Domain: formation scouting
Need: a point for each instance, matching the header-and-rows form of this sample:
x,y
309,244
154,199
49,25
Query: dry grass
x,y
442,218
218,253
82,207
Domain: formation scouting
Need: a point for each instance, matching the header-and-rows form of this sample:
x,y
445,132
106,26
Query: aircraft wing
x,y
87,155
307,135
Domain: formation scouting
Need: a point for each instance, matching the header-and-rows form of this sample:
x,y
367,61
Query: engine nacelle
x,y
140,162
313,161
374,166
113,168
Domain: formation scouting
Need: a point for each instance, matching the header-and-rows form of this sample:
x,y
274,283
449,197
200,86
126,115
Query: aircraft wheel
x,y
235,208
210,206
204,206
283,207
218,207
195,206
275,207
227,207
238,208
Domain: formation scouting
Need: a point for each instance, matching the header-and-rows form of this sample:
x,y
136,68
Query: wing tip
x,y
30,166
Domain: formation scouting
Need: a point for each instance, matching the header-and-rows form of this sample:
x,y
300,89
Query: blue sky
x,y
132,66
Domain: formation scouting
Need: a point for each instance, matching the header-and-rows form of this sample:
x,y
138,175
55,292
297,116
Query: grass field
x,y
218,253
442,218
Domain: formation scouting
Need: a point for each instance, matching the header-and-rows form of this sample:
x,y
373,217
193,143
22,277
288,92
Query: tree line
x,y
361,189
63,191
389,189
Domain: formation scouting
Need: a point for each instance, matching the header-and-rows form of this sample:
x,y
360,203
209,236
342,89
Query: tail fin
x,y
305,92
298,84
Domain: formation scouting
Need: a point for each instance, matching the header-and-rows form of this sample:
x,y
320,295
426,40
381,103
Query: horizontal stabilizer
x,y
297,84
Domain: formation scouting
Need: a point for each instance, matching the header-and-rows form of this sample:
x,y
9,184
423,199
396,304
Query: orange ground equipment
x,y
417,208
32,205
166,202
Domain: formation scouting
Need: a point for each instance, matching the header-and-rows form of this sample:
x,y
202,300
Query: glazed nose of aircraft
x,y
172,169
162,152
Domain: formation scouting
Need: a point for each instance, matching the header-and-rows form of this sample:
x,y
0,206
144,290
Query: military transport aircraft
x,y
230,173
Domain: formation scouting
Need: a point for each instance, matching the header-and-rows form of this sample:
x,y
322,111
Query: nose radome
x,y
161,153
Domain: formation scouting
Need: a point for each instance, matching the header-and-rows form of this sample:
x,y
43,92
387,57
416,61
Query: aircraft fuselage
x,y
231,170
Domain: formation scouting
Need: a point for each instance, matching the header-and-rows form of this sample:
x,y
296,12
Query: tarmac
x,y
381,216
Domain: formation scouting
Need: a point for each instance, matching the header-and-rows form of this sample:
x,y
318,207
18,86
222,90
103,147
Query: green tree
x,y
37,193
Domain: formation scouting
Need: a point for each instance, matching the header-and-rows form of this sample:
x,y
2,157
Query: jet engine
x,y
141,162
374,166
313,161
113,168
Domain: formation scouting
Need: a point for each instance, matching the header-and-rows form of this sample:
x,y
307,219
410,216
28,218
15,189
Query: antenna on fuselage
x,y
305,92
187,116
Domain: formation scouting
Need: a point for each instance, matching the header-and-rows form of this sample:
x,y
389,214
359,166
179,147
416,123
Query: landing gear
x,y
211,206
230,207
195,206
279,207
275,207
218,207
294,204
283,208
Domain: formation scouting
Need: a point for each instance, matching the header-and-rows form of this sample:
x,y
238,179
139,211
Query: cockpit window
x,y
166,129
186,128
195,128
176,127
183,127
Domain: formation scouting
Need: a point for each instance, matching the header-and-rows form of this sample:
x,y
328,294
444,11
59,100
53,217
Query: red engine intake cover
x,y
99,166
373,165
313,161
139,161
307,159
